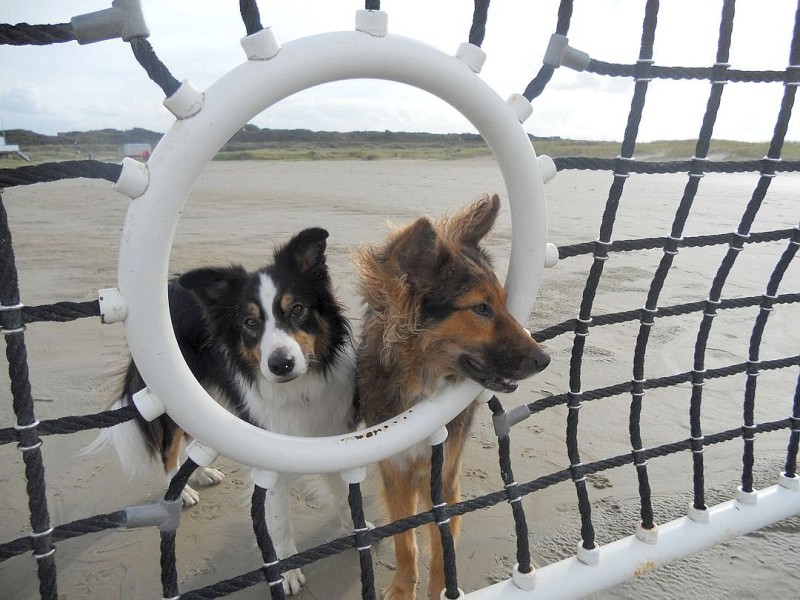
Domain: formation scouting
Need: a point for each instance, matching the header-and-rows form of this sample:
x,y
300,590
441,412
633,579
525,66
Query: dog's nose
x,y
280,363
541,360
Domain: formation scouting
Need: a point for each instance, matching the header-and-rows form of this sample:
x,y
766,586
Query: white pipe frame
x,y
633,557
191,143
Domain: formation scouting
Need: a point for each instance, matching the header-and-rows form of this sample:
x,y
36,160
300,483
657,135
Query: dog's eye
x,y
482,309
251,322
297,310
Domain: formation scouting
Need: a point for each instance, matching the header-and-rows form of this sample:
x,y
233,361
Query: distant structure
x,y
137,150
11,149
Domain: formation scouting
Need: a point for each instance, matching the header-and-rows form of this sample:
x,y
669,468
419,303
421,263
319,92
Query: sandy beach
x,y
66,238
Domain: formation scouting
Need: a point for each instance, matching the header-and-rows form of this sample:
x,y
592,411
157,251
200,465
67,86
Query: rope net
x,y
28,432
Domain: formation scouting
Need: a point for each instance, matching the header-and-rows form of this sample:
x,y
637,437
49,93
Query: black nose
x,y
280,363
541,360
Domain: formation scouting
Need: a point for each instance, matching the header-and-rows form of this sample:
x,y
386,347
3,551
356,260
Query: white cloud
x,y
67,86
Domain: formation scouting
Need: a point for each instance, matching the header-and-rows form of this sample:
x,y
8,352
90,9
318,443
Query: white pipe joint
x,y
472,56
588,556
547,167
551,257
524,581
261,45
124,19
438,437
201,454
186,101
133,179
372,22
790,483
113,308
698,515
749,498
648,536
356,475
560,53
148,404
264,478
521,106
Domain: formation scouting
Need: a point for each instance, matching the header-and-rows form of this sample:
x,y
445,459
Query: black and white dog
x,y
274,348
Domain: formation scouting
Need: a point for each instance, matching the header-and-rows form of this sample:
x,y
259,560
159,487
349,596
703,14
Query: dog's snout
x,y
280,363
540,360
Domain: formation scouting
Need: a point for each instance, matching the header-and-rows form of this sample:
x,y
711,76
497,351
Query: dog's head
x,y
281,321
434,291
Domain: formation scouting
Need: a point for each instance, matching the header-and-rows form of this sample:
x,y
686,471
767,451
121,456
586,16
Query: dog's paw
x,y
398,592
293,581
205,476
189,497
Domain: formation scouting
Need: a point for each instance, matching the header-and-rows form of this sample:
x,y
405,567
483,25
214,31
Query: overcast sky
x,y
66,87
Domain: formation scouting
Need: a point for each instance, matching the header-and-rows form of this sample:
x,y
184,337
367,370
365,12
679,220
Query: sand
x,y
66,238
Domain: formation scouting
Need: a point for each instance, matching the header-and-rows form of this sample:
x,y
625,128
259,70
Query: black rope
x,y
477,30
724,270
250,16
748,456
22,403
372,4
269,571
440,511
599,67
23,34
633,166
659,382
514,498
670,251
73,424
790,468
545,74
155,69
673,243
69,169
61,311
572,325
67,531
340,545
362,544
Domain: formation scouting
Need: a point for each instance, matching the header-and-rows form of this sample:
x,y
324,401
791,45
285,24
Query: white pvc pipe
x,y
630,557
188,146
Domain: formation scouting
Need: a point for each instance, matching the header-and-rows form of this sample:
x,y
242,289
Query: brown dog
x,y
435,313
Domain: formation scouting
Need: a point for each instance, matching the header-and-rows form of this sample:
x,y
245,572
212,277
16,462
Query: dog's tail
x,y
133,451
140,445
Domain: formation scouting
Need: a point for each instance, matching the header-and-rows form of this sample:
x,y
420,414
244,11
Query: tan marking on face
x,y
322,340
286,303
252,354
252,310
305,340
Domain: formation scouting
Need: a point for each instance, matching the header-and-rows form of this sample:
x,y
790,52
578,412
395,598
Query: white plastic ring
x,y
186,149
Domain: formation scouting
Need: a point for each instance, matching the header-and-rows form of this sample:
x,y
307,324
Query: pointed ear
x,y
306,249
414,251
471,224
213,286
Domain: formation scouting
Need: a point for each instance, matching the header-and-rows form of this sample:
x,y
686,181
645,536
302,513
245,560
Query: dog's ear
x,y
213,286
306,249
414,251
471,224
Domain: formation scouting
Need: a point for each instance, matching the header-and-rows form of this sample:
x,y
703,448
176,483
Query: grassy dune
x,y
258,144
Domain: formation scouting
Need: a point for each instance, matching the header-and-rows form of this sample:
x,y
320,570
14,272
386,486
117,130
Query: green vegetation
x,y
253,143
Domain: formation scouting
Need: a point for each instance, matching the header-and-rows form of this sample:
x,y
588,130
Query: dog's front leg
x,y
279,523
401,496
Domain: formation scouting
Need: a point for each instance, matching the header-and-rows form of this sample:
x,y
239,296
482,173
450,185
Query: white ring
x,y
186,149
